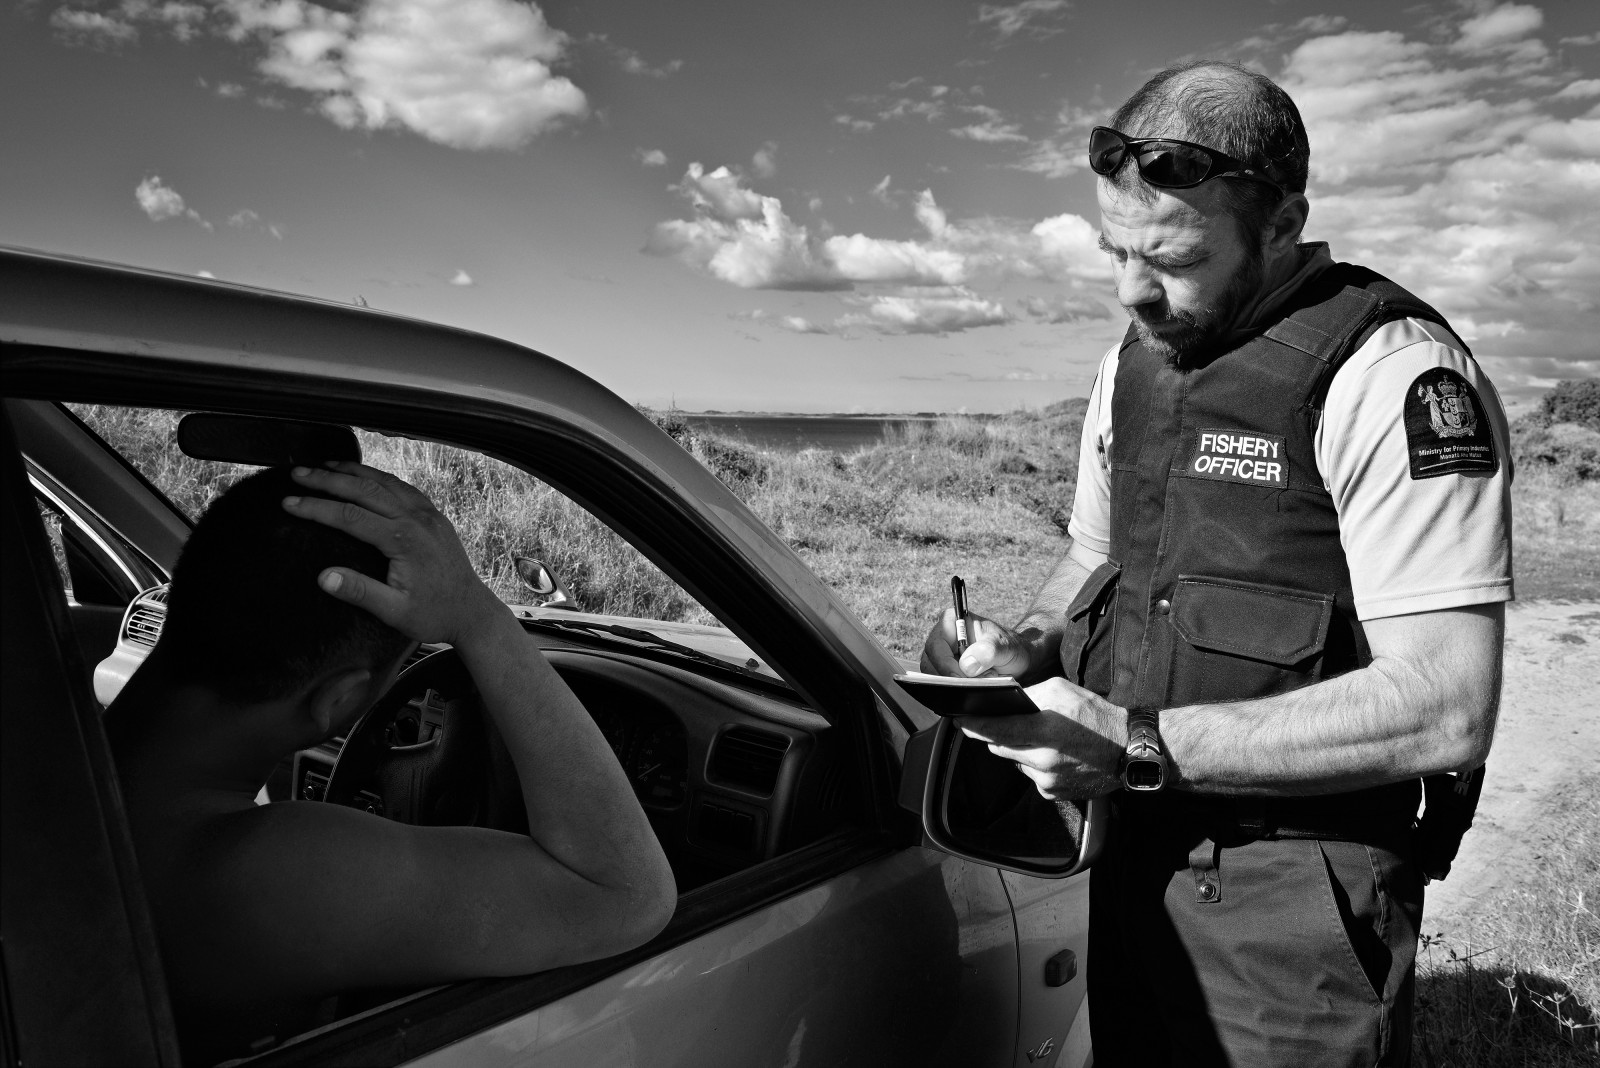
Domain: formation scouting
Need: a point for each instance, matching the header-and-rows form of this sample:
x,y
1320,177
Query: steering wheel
x,y
460,775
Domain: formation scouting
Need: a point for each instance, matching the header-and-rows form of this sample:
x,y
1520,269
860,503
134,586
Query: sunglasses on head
x,y
1166,162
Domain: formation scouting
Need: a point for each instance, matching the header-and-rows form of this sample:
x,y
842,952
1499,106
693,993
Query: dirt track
x,y
1548,735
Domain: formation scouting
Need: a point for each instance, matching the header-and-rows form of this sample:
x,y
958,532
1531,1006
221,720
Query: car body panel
x,y
907,960
1050,916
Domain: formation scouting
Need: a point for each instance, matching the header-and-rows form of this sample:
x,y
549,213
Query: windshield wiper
x,y
648,640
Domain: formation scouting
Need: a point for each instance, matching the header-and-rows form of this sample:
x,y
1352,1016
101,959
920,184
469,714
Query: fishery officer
x,y
1290,553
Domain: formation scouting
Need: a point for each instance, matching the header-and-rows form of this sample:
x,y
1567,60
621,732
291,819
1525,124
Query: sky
x,y
836,205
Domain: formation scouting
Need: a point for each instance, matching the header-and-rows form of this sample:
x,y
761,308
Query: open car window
x,y
499,511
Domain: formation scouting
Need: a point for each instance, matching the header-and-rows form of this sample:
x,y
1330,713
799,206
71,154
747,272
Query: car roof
x,y
58,301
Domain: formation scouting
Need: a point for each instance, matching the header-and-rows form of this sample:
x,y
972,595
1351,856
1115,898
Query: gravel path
x,y
1548,734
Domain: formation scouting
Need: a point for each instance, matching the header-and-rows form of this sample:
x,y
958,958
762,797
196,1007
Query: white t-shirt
x,y
1412,544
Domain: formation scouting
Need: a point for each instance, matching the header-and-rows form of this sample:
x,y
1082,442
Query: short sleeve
x,y
1413,446
1090,525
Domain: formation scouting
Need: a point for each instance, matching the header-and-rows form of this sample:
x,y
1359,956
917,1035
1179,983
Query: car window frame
x,y
558,454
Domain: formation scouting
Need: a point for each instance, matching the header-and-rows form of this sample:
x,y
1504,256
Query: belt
x,y
1383,815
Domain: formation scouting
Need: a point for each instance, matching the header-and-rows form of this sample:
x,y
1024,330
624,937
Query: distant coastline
x,y
793,431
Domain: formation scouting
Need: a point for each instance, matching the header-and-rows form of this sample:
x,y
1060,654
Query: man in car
x,y
1291,537
295,601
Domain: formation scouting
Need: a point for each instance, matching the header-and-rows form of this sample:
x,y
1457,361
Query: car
x,y
858,884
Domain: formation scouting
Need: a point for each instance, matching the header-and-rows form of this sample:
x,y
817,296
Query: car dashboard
x,y
729,766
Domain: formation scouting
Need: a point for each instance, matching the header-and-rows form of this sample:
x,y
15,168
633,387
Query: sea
x,y
791,433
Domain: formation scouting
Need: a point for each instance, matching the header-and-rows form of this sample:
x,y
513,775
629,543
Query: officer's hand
x,y
1070,748
994,650
431,593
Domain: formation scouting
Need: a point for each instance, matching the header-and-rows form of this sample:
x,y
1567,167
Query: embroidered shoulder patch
x,y
1446,432
1239,456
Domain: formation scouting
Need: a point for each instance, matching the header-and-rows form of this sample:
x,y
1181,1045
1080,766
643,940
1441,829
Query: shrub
x,y
1572,401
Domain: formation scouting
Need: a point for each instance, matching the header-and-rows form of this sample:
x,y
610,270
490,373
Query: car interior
x,y
732,765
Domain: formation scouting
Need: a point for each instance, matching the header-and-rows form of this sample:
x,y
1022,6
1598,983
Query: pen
x,y
958,594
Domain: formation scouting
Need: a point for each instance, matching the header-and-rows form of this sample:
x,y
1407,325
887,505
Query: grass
x,y
499,511
1521,987
885,525
1556,519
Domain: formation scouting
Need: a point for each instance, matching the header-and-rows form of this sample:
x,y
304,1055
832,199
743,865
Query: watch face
x,y
1143,774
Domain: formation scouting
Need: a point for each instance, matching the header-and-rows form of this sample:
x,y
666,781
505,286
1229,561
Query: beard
x,y
1187,334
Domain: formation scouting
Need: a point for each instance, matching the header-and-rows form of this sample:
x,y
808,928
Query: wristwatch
x,y
1144,767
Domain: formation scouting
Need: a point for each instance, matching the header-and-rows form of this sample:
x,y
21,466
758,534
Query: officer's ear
x,y
1288,222
337,699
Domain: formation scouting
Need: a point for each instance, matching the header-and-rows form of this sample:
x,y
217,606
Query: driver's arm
x,y
393,904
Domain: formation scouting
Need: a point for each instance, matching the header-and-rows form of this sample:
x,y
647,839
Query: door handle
x,y
1059,969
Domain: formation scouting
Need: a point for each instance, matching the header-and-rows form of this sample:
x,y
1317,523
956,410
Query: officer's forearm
x,y
1425,704
1041,625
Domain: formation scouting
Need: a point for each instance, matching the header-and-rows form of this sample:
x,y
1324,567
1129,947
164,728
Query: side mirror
x,y
542,581
977,806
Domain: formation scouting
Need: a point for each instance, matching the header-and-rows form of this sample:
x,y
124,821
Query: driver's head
x,y
245,617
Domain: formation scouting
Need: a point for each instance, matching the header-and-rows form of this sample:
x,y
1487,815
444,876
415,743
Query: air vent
x,y
419,652
748,759
144,625
158,595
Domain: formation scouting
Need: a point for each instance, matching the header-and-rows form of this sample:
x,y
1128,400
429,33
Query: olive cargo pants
x,y
1262,952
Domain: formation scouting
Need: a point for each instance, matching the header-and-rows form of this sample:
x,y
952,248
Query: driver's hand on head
x,y
994,649
431,593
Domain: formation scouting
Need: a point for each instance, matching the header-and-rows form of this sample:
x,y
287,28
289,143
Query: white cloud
x,y
1447,166
460,278
944,311
632,62
1063,309
92,27
868,259
162,202
719,193
1584,89
1037,17
741,237
991,126
651,157
1506,24
747,240
246,219
204,274
472,74
880,192
765,162
850,122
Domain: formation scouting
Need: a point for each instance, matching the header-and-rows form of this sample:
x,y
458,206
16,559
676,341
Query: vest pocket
x,y
1244,639
1086,645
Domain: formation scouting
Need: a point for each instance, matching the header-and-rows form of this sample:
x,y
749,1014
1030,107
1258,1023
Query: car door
x,y
908,959
80,978
1052,918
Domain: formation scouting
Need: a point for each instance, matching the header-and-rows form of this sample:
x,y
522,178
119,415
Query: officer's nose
x,y
1137,284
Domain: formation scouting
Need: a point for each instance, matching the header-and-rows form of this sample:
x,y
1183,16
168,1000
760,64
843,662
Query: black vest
x,y
1226,578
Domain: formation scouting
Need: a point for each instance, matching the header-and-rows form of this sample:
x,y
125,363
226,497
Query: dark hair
x,y
245,616
1234,110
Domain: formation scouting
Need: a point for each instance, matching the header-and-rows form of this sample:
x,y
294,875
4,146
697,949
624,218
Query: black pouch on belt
x,y
1450,801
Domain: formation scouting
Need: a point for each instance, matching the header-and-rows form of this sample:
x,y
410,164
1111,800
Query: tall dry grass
x,y
1522,987
499,511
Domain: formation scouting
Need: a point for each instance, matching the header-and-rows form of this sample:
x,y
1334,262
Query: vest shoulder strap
x,y
1343,307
